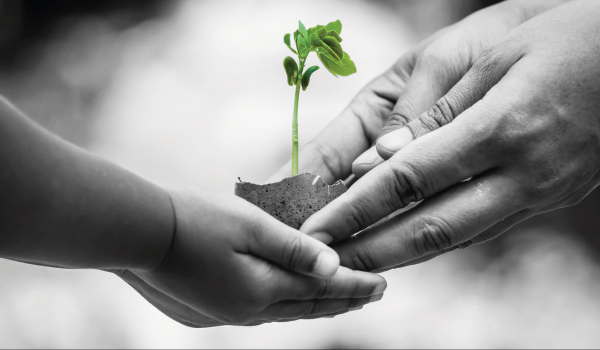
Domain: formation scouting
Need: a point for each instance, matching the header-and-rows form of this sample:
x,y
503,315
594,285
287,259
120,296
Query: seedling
x,y
325,41
294,199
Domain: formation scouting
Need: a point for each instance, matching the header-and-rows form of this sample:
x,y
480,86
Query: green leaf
x,y
286,40
302,29
314,29
322,33
306,76
327,62
335,35
335,46
302,46
345,68
315,40
291,70
296,35
326,49
337,26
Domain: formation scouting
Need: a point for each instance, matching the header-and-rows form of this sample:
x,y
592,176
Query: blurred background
x,y
189,93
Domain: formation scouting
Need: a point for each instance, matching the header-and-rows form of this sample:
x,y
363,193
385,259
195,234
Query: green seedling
x,y
325,41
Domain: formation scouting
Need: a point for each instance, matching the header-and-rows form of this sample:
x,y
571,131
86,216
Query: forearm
x,y
62,206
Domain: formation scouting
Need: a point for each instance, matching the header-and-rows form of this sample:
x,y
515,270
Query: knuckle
x,y
408,185
293,253
362,261
398,118
403,113
311,307
440,114
432,235
360,215
325,289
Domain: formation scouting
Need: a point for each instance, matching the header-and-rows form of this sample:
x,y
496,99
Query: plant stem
x,y
295,121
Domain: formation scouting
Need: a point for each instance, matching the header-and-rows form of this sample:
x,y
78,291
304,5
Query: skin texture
x,y
201,258
523,123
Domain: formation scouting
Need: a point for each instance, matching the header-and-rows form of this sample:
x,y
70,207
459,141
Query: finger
x,y
292,250
167,305
486,235
418,260
487,71
312,317
436,71
286,310
420,92
569,200
344,284
446,220
330,315
428,165
332,152
366,162
506,224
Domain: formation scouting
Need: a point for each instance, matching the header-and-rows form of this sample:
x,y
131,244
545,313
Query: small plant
x,y
325,41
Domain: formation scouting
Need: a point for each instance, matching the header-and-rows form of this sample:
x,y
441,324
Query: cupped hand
x,y
420,77
523,123
232,263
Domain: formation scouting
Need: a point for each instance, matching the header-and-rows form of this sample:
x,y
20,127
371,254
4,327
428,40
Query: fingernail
x,y
369,157
380,288
356,308
391,143
375,298
322,236
366,161
327,264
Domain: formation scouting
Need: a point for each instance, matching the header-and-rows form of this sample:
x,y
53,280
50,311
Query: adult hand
x,y
231,263
524,124
420,77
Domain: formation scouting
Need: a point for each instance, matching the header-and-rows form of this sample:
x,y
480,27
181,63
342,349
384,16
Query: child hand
x,y
231,263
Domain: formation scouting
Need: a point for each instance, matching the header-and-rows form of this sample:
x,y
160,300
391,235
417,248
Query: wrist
x,y
151,242
166,241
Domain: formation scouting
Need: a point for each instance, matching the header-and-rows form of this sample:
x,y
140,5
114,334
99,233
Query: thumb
x,y
487,71
293,250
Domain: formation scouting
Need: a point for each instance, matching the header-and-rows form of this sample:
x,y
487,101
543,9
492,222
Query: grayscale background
x,y
193,93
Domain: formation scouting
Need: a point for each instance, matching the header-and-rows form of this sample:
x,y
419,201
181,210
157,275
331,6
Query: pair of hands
x,y
521,80
231,263
507,97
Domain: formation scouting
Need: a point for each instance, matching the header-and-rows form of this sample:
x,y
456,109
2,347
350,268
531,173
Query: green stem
x,y
295,121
